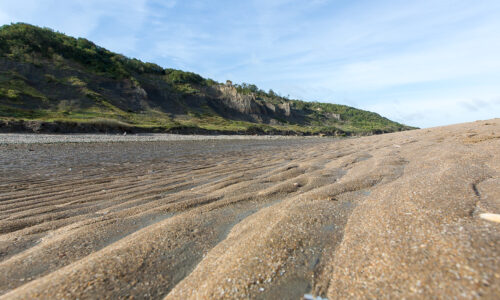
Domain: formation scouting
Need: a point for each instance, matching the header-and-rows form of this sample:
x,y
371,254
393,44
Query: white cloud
x,y
428,110
381,55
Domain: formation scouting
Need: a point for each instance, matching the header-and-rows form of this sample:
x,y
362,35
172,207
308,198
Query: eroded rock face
x,y
138,97
286,108
248,105
271,106
243,103
390,217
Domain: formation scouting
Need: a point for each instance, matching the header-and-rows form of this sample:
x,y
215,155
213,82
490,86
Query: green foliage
x,y
211,82
75,81
63,86
247,88
26,42
186,89
13,88
18,113
8,93
181,77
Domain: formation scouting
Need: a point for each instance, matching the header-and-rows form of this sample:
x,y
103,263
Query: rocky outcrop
x,y
286,108
248,104
137,97
245,104
46,75
48,86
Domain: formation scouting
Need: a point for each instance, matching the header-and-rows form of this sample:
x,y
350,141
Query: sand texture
x,y
405,215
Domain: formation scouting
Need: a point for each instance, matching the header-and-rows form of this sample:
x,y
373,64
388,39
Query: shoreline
x,y
37,138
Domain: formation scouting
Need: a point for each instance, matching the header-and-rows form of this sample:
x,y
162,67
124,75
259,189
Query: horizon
x,y
423,64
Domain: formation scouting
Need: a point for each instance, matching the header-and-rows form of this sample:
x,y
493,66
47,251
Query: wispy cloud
x,y
424,62
432,111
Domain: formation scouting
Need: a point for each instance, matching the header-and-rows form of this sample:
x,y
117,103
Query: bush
x,y
181,77
21,41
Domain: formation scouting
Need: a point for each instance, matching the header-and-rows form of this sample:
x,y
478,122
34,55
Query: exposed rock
x,y
333,116
270,106
285,107
243,103
46,77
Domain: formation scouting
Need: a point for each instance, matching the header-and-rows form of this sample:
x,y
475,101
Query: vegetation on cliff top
x,y
48,76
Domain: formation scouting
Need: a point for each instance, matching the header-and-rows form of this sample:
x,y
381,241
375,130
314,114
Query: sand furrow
x,y
391,216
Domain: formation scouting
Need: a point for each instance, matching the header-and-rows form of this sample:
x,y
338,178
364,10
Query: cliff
x,y
72,84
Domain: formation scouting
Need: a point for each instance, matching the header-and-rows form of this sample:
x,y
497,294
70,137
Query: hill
x,y
52,82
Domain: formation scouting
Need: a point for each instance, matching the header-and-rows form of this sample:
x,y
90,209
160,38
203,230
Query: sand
x,y
402,215
32,138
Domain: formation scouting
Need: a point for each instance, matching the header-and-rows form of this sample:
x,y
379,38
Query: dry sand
x,y
392,216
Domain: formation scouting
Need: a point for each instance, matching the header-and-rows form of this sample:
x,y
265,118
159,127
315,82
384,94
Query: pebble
x,y
29,138
311,297
490,217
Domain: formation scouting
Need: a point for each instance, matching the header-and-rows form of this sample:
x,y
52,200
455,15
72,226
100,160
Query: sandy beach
x,y
173,217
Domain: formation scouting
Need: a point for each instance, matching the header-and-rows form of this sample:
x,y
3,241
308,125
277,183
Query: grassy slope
x,y
49,76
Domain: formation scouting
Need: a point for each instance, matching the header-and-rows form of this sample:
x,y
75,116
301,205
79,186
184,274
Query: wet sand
x,y
389,216
32,138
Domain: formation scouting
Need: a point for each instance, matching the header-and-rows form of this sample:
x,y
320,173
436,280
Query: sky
x,y
423,63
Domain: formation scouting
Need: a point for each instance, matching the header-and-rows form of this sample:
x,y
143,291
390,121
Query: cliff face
x,y
243,103
47,76
248,104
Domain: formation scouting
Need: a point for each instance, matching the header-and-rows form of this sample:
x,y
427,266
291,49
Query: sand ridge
x,y
389,216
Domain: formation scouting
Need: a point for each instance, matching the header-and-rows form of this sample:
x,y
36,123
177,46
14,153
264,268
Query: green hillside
x,y
72,84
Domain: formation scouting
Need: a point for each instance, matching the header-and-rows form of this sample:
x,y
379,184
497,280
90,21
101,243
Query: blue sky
x,y
423,63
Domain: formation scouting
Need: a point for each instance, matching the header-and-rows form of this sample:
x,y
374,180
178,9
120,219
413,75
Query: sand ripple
x,y
391,216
